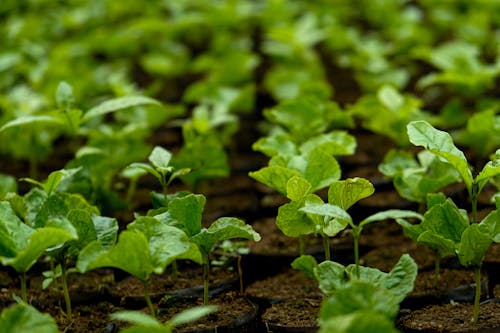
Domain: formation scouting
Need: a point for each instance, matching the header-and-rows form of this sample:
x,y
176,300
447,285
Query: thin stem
x,y
326,246
206,270
474,197
355,236
301,245
24,293
67,299
477,296
240,274
131,189
148,298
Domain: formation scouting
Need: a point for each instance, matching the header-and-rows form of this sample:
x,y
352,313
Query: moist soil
x,y
454,317
297,315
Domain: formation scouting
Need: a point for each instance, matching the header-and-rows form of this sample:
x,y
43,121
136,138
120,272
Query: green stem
x,y
474,197
148,298
131,189
67,299
175,271
206,270
240,274
477,296
355,236
326,246
301,245
24,293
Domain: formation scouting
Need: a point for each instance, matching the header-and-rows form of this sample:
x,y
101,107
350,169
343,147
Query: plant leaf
x,y
305,264
160,157
490,170
297,188
23,318
421,133
358,322
31,120
331,276
345,193
473,246
136,317
117,104
339,218
191,315
274,176
390,214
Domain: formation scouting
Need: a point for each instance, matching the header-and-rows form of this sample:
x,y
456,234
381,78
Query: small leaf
x,y
331,276
64,95
473,246
191,315
136,318
276,177
490,170
117,104
390,214
305,264
390,98
345,193
297,188
32,120
160,157
358,322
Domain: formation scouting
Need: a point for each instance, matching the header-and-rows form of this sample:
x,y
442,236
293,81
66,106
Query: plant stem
x,y
474,196
355,236
240,274
148,298
301,245
131,189
326,246
67,299
477,296
437,264
206,270
24,293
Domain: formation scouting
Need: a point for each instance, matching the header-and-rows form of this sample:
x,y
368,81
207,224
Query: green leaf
x,y
191,315
331,276
490,225
490,170
221,229
14,235
360,296
305,264
64,95
23,318
421,133
130,254
275,145
446,220
345,193
401,277
274,176
292,221
473,246
117,104
390,214
335,143
442,245
106,229
321,169
136,318
338,218
31,120
166,243
358,322
160,158
297,188
390,98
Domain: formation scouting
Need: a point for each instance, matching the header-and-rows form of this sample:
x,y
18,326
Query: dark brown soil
x,y
299,315
455,317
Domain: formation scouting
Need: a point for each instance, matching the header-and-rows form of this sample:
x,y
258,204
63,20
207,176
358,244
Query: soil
x,y
454,317
297,315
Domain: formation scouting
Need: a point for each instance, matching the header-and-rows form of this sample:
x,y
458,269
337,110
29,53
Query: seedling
x,y
468,240
342,194
23,318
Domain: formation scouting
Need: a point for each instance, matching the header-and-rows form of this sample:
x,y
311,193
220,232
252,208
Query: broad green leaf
x,y
421,133
23,318
106,229
136,318
297,188
276,177
442,245
160,157
401,277
390,98
321,169
130,254
32,120
396,161
292,221
447,220
39,241
358,322
186,213
331,276
191,315
221,229
345,193
360,296
490,225
305,264
166,243
117,104
146,167
275,145
82,222
14,234
335,143
390,214
473,246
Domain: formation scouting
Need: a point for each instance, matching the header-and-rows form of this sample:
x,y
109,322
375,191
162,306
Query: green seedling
x,y
469,240
333,215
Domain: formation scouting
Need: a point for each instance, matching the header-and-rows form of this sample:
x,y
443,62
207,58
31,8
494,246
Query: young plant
x,y
142,323
22,245
161,168
147,246
342,194
468,240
